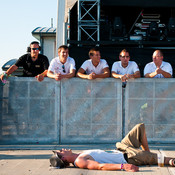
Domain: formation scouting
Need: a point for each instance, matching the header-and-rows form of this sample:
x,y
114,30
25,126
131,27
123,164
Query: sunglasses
x,y
35,48
63,68
124,56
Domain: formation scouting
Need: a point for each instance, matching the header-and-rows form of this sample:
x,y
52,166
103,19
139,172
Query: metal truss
x,y
89,20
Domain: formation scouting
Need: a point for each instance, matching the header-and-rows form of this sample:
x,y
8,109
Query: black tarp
x,y
139,3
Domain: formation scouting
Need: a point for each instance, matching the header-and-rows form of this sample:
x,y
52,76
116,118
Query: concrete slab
x,y
34,160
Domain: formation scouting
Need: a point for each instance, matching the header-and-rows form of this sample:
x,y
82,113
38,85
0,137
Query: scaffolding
x,y
89,20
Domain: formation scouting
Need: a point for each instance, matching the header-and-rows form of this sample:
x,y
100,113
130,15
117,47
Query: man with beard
x,y
125,69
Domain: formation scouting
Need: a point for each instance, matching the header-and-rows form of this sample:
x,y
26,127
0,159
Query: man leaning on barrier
x,y
128,156
95,67
125,69
33,63
62,66
158,68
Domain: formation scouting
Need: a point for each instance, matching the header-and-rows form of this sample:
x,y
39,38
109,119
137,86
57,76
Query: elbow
x,y
73,74
147,76
48,74
77,75
169,77
101,167
98,167
107,74
138,76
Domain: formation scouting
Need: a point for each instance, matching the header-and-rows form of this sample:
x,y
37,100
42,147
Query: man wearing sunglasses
x,y
125,69
62,66
33,63
95,67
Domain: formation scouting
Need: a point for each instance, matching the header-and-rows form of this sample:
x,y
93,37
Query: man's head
x,y
124,57
63,52
157,57
61,158
95,56
34,50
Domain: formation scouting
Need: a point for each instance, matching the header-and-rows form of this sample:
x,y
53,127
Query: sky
x,y
18,18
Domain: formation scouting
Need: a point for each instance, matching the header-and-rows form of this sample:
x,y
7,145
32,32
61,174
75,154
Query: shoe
x,y
172,162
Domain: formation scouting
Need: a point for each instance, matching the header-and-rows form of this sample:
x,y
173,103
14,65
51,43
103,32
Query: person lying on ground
x,y
128,155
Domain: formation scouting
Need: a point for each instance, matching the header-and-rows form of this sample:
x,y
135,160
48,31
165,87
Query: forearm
x,y
44,73
136,75
103,75
110,167
150,75
81,75
69,75
166,74
114,75
153,74
50,74
11,70
93,165
113,167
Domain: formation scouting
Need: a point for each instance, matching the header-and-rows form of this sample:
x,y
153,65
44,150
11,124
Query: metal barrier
x,y
85,111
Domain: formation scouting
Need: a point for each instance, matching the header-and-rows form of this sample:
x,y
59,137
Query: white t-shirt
x,y
89,67
100,156
151,67
130,69
57,67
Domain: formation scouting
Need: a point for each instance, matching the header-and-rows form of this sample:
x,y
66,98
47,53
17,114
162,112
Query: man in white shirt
x,y
125,69
129,159
95,67
158,68
62,66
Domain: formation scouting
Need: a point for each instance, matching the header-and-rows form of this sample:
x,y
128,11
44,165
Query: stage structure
x,y
89,20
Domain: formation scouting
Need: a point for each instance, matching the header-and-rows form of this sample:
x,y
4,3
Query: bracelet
x,y
6,74
122,166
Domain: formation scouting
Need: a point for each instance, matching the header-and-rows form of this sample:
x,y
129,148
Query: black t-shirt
x,y
32,68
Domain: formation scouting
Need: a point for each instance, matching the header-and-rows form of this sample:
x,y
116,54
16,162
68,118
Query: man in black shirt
x,y
33,63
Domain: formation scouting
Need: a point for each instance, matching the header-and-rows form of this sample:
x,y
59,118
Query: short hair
x,y
34,42
95,49
161,53
124,50
63,47
56,161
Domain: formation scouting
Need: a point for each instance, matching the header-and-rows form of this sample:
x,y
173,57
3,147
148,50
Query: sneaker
x,y
172,162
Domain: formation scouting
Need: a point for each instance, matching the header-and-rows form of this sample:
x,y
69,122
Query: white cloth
x,y
130,69
100,156
151,67
89,67
57,67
